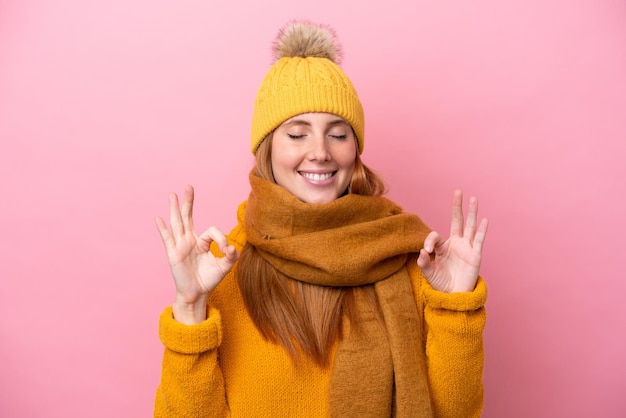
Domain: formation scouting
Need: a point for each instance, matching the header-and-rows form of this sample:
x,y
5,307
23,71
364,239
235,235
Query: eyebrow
x,y
295,121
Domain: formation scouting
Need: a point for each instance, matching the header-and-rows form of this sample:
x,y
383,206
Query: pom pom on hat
x,y
305,39
305,77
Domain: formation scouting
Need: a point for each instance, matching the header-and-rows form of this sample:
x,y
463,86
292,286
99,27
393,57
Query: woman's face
x,y
313,156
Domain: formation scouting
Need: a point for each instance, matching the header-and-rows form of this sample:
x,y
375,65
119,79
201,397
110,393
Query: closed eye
x,y
292,136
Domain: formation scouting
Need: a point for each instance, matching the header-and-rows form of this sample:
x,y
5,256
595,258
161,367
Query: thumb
x,y
424,262
230,254
226,262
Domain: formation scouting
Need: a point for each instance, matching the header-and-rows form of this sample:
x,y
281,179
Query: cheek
x,y
346,156
282,160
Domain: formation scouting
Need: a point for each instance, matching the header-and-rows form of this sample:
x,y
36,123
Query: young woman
x,y
326,299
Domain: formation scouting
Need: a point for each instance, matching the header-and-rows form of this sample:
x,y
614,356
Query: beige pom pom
x,y
301,38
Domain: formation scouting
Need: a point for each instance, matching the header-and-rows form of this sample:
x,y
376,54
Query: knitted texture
x,y
294,237
303,84
247,376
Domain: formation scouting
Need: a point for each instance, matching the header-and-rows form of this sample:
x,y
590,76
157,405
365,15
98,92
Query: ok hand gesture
x,y
456,260
195,269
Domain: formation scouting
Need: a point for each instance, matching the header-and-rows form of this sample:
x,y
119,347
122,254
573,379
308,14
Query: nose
x,y
318,149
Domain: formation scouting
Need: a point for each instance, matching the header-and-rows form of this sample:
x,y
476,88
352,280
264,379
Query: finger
x,y
176,221
424,262
481,234
187,208
470,222
229,251
231,254
432,241
166,237
205,240
214,234
456,226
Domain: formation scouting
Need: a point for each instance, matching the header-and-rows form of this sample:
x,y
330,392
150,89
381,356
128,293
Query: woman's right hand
x,y
195,269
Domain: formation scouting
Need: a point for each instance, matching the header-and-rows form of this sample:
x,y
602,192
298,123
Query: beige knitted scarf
x,y
352,241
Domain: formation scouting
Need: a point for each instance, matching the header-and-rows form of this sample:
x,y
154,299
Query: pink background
x,y
105,107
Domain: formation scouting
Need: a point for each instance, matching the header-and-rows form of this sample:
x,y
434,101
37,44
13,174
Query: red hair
x,y
292,313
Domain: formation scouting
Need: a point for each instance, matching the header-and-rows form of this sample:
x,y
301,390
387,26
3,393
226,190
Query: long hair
x,y
292,313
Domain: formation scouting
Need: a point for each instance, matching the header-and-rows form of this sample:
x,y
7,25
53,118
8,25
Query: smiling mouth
x,y
316,176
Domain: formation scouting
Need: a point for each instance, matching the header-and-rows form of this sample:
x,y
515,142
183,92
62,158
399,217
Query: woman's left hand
x,y
456,260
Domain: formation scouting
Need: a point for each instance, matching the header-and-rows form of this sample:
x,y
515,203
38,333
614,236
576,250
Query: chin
x,y
318,200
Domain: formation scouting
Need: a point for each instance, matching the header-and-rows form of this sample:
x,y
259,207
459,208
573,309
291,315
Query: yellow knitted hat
x,y
305,78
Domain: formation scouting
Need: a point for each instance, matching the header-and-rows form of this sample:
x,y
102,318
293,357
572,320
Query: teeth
x,y
317,177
